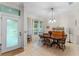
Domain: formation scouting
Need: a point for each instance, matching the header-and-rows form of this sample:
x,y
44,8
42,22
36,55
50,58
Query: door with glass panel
x,y
11,34
37,28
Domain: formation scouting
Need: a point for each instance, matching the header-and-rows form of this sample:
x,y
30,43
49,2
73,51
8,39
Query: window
x,y
38,27
6,9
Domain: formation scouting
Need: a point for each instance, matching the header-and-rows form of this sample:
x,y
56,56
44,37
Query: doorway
x,y
38,28
10,33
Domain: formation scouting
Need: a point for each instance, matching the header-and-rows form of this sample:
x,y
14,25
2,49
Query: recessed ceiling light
x,y
70,3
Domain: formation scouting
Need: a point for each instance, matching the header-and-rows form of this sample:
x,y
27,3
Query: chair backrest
x,y
58,29
58,34
50,32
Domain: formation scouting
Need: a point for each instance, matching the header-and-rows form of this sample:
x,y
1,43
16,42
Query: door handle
x,y
20,34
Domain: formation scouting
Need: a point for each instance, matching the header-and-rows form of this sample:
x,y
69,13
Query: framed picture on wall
x,y
47,27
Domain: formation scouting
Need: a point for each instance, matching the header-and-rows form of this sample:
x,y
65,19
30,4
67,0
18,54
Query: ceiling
x,y
43,8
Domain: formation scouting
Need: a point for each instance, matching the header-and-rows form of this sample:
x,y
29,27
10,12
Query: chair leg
x,y
63,47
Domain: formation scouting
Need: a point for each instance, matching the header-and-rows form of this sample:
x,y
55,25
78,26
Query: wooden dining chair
x,y
59,38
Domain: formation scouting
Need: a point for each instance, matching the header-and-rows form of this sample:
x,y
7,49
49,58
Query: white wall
x,y
21,7
25,27
73,18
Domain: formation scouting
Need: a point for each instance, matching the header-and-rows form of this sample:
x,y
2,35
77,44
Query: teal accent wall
x,y
9,10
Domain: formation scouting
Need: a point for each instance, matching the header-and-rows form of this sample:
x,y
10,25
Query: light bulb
x,y
54,20
49,21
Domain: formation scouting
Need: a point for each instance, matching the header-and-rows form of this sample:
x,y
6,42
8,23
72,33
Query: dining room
x,y
46,29
53,24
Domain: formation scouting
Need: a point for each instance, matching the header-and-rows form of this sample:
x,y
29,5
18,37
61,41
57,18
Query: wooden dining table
x,y
55,40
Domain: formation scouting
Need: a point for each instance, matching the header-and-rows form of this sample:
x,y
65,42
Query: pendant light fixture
x,y
52,19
